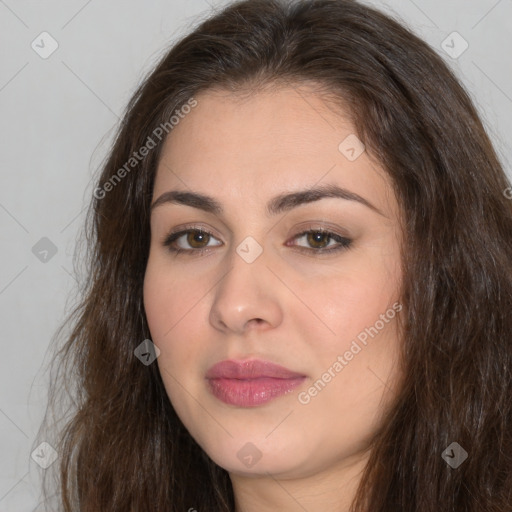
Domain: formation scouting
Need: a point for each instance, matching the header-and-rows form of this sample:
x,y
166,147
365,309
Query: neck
x,y
330,490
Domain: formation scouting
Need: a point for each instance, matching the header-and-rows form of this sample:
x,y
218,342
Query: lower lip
x,y
251,392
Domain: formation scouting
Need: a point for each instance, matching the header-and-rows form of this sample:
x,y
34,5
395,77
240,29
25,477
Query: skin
x,y
300,310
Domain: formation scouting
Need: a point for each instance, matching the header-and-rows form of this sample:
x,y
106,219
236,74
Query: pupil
x,y
196,237
317,238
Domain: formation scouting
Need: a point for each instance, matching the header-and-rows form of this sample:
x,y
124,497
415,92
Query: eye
x,y
319,241
197,240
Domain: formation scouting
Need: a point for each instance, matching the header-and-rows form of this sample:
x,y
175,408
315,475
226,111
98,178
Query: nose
x,y
246,297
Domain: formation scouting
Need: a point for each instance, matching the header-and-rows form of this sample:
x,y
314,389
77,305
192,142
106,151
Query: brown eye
x,y
190,241
318,239
196,239
321,242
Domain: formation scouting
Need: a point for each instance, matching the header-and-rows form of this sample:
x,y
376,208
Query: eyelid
x,y
323,226
180,231
191,227
343,241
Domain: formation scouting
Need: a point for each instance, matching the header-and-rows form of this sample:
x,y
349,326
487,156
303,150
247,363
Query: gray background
x,y
58,118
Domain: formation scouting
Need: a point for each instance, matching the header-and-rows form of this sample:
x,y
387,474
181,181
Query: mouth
x,y
250,383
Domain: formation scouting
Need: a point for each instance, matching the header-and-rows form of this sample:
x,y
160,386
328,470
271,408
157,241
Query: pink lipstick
x,y
250,383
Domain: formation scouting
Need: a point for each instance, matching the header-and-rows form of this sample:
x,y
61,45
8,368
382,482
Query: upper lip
x,y
250,369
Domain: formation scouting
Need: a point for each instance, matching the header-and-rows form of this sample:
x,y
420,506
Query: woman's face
x,y
262,178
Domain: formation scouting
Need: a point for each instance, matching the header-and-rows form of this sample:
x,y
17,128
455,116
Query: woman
x,y
300,280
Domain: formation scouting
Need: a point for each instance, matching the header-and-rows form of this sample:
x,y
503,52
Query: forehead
x,y
253,129
260,144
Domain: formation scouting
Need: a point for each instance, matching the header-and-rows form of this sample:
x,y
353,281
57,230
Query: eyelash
x,y
344,243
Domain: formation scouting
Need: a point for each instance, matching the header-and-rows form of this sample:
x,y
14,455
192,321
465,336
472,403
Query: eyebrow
x,y
279,204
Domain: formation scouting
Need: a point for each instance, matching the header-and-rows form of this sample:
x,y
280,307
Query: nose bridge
x,y
245,279
244,293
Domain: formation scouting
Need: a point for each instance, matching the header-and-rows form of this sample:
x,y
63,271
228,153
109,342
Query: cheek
x,y
171,305
170,300
158,303
349,303
355,319
355,355
177,313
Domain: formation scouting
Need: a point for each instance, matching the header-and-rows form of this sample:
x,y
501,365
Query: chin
x,y
239,455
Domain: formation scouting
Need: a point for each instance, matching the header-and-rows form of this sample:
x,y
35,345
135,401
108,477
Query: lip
x,y
250,383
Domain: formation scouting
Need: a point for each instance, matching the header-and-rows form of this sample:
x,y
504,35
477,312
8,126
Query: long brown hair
x,y
123,448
